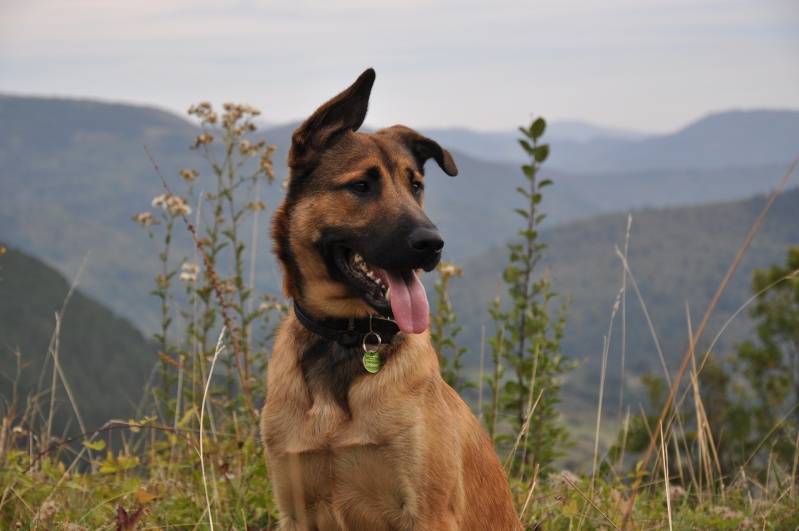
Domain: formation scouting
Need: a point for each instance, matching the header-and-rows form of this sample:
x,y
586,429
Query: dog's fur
x,y
346,449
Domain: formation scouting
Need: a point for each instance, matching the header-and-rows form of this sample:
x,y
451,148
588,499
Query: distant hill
x,y
678,257
72,173
106,359
721,140
503,146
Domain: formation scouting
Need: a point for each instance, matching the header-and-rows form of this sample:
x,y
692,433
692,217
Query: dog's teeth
x,y
388,294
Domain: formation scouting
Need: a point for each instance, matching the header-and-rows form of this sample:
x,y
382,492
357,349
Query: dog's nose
x,y
427,243
424,241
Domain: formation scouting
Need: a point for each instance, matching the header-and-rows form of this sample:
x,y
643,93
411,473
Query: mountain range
x,y
724,140
73,172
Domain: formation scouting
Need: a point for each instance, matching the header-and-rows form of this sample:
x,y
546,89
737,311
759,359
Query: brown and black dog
x,y
371,441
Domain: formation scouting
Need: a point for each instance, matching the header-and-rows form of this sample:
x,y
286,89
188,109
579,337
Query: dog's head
x,y
351,231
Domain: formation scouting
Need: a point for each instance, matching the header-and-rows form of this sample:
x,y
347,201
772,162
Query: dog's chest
x,y
342,471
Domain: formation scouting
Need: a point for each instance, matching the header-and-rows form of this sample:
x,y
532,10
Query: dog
x,y
361,432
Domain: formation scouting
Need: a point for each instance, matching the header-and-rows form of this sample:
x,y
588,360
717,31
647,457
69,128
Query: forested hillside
x,y
104,358
678,257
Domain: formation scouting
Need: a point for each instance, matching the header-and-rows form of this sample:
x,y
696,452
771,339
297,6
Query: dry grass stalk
x,y
689,355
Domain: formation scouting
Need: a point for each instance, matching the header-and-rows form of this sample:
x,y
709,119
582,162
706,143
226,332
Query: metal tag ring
x,y
367,336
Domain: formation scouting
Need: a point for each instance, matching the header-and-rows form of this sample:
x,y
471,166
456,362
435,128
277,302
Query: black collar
x,y
349,332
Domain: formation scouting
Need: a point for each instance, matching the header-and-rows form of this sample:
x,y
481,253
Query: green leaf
x,y
529,170
527,147
541,153
537,128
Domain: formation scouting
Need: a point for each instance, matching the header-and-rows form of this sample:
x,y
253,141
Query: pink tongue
x,y
408,301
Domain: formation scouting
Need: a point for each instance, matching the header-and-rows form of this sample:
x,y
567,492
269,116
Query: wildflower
x,y
272,303
267,167
201,109
174,204
256,205
190,268
203,139
267,306
188,174
145,218
204,111
189,272
179,205
249,109
160,200
450,270
247,149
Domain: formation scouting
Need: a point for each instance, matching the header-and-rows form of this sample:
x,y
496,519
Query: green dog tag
x,y
371,361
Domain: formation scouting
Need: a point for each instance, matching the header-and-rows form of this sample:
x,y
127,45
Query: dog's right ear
x,y
345,112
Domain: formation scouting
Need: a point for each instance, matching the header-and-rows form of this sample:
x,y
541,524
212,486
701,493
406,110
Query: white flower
x,y
190,268
174,204
188,277
161,200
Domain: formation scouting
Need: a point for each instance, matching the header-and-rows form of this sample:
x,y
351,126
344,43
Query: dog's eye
x,y
359,187
417,187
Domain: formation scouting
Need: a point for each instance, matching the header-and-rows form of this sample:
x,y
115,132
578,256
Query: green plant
x,y
768,367
527,337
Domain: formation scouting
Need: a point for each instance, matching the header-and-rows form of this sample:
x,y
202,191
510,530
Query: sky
x,y
643,65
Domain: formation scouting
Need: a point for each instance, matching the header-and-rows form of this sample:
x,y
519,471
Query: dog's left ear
x,y
422,148
345,112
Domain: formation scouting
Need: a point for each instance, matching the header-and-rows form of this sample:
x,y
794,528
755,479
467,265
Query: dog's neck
x,y
349,332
